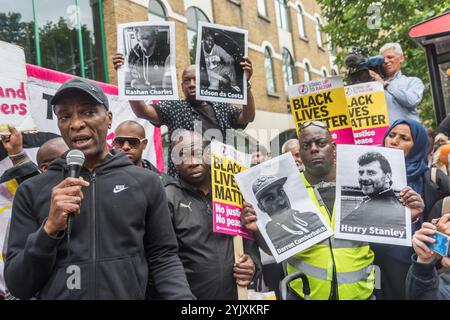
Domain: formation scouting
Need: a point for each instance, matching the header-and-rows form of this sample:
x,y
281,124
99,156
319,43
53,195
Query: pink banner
x,y
343,136
372,136
226,219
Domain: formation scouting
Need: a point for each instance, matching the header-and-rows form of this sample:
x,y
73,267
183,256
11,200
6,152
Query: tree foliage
x,y
13,30
372,24
58,41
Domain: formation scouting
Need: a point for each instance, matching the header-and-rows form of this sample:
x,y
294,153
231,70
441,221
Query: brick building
x,y
285,43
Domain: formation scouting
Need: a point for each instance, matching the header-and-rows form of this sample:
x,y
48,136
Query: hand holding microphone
x,y
66,196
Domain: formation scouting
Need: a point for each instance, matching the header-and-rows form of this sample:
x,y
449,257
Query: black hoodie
x,y
207,256
122,236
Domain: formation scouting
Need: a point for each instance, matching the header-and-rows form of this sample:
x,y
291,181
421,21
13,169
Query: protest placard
x,y
288,219
322,100
368,183
226,161
368,112
149,71
14,99
219,75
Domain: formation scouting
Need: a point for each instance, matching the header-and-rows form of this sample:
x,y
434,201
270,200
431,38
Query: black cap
x,y
90,87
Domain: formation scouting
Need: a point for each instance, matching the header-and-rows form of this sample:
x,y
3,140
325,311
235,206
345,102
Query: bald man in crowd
x,y
49,151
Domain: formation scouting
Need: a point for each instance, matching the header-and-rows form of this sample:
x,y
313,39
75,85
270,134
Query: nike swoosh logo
x,y
119,189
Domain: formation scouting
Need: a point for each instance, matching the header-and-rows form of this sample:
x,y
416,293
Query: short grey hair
x,y
392,45
289,145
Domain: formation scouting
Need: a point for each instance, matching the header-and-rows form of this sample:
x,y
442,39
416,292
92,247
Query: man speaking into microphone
x,y
120,235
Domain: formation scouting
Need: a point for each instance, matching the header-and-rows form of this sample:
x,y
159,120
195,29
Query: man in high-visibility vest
x,y
335,268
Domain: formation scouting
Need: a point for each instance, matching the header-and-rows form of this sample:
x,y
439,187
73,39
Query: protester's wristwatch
x,y
249,84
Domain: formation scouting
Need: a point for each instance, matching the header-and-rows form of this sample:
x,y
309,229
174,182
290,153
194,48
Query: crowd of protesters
x,y
138,233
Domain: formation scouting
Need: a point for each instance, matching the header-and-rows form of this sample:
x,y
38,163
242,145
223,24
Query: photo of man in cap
x,y
287,224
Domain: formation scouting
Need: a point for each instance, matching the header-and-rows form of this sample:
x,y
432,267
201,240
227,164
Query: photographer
x,y
424,281
403,94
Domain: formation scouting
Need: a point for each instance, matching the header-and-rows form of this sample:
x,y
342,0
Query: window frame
x,y
286,53
319,37
282,6
264,6
301,22
162,7
307,72
268,55
190,30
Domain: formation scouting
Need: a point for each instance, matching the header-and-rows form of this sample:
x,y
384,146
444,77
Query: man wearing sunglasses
x,y
130,139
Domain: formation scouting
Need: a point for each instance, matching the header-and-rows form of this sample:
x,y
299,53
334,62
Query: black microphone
x,y
75,161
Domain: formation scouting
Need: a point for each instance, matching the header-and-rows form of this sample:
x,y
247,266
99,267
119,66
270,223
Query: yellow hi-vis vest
x,y
351,261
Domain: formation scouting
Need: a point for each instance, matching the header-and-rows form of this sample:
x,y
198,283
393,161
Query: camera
x,y
359,64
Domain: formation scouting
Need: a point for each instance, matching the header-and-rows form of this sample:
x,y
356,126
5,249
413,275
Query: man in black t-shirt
x,y
190,113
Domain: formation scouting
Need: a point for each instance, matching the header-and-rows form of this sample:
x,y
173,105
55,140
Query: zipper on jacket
x,y
334,294
92,266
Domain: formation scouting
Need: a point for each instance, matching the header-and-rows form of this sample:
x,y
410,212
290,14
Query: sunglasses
x,y
133,142
316,123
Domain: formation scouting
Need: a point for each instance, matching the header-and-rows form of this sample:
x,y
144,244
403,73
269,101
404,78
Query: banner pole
x,y
238,246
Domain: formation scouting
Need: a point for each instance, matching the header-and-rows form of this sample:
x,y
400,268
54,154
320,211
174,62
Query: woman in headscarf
x,y
411,137
394,261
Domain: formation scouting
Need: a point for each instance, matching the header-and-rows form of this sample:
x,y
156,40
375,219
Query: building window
x,y
318,33
282,12
333,72
307,72
324,72
288,68
58,35
262,9
193,15
270,76
301,22
156,11
329,44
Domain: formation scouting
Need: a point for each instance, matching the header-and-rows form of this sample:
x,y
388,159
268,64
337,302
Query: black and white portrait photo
x,y
219,76
368,184
149,71
287,218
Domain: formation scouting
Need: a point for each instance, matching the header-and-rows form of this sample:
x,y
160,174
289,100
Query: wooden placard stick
x,y
238,246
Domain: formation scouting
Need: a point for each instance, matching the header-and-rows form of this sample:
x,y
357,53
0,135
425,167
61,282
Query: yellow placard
x,y
224,186
368,109
322,100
